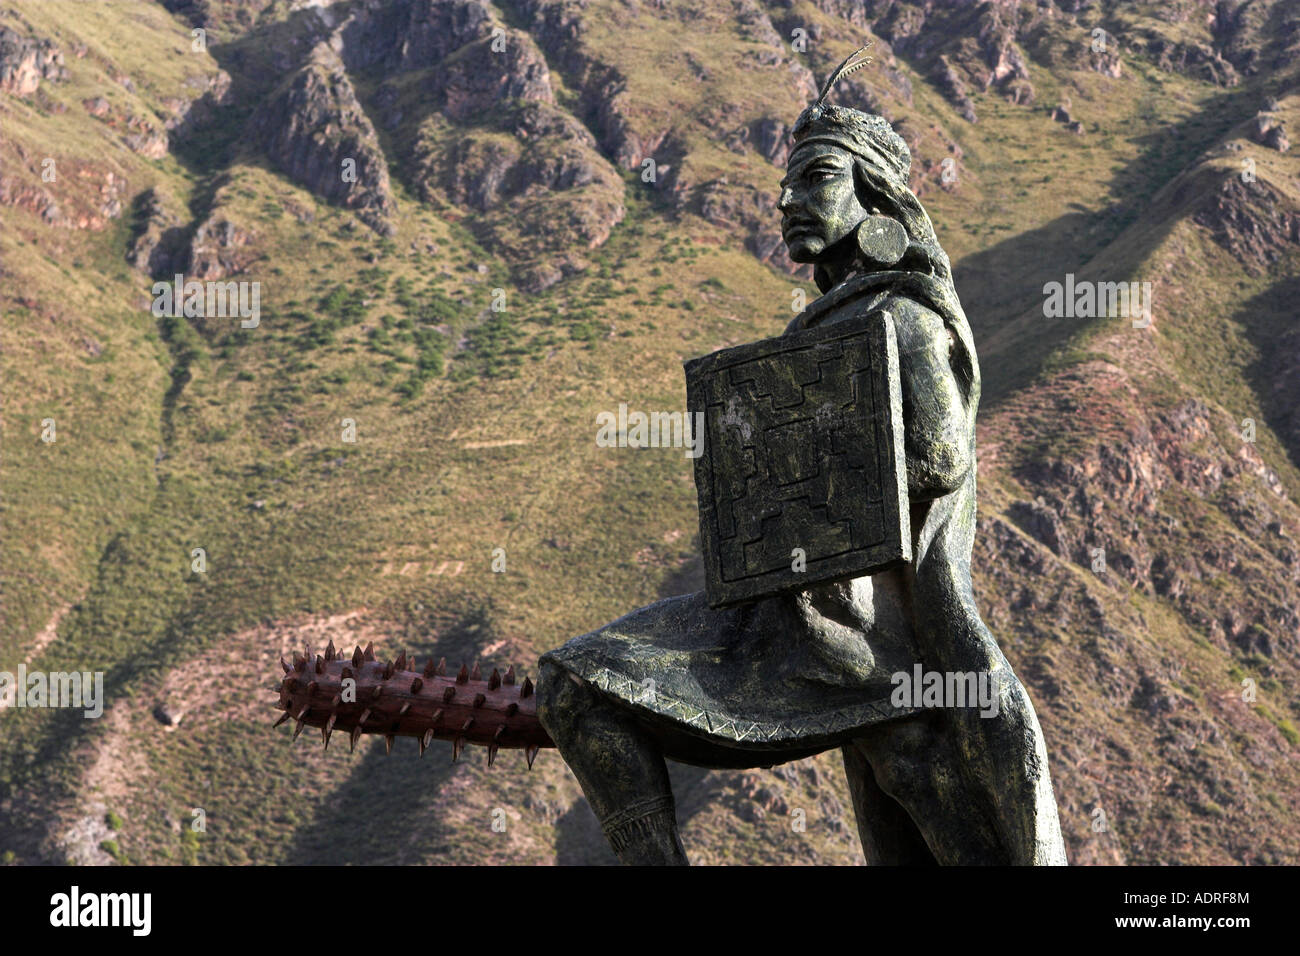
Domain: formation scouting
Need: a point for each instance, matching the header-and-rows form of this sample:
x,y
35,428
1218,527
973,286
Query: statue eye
x,y
821,175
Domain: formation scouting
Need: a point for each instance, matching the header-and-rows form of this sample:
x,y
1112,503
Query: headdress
x,y
863,134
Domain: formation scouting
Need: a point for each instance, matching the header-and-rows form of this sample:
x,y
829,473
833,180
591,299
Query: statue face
x,y
819,204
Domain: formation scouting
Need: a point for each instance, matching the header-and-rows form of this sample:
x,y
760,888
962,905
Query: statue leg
x,y
914,762
1011,769
889,837
619,764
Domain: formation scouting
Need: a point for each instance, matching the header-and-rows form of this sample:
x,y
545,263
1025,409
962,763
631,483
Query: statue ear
x,y
882,241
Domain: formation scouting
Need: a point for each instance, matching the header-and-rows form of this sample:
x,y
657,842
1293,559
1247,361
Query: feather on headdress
x,y
843,70
866,134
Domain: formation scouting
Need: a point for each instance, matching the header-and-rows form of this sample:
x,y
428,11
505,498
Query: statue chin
x,y
806,248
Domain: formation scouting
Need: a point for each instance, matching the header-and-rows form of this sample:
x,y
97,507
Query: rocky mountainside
x,y
476,225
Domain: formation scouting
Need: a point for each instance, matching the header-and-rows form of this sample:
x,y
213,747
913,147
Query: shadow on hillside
x,y
686,579
1003,282
1270,322
1002,286
385,806
579,840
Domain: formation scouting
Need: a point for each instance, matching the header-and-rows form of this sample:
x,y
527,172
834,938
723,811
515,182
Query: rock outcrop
x,y
157,237
1267,130
1252,220
316,131
26,61
188,113
219,248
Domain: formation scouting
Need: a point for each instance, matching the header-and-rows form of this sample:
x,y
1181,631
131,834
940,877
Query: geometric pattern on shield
x,y
802,476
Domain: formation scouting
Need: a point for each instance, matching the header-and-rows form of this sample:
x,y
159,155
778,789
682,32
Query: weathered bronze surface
x,y
802,479
788,673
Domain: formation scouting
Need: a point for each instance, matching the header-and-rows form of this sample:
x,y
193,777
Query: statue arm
x,y
935,434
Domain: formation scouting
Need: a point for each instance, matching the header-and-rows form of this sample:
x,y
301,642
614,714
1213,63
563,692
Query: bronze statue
x,y
795,674
785,673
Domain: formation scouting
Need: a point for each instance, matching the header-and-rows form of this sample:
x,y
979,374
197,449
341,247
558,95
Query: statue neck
x,y
830,273
837,265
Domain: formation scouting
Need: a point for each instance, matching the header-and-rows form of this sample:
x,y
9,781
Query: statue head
x,y
820,202
845,202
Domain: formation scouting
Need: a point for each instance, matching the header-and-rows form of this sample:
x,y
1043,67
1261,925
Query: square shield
x,y
802,478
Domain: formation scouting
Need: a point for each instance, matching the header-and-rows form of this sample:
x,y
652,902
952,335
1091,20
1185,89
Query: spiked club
x,y
396,700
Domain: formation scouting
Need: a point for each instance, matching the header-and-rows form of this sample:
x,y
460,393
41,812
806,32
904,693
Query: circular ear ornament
x,y
882,241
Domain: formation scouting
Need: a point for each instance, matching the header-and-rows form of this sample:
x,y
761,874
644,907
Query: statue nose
x,y
787,199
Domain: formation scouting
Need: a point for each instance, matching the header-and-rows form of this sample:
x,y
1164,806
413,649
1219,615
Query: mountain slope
x,y
502,268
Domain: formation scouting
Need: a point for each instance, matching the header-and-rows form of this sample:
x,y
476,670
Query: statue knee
x,y
561,698
901,756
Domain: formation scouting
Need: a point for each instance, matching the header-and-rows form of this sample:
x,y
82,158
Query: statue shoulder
x,y
863,294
